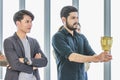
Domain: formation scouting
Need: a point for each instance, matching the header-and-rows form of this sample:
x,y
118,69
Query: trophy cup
x,y
106,43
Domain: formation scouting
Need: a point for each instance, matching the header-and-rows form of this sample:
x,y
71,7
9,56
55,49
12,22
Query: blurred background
x,y
97,18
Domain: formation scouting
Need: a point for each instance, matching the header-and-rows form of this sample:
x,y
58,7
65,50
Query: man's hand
x,y
2,58
37,56
21,60
34,68
105,57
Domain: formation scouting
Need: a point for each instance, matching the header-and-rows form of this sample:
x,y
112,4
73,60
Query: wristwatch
x,y
26,60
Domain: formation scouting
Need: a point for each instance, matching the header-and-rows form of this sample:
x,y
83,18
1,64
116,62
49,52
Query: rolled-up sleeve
x,y
87,48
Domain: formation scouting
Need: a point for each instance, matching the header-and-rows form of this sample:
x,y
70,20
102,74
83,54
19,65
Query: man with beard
x,y
72,49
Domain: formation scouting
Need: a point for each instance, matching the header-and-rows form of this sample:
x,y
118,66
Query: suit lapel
x,y
20,44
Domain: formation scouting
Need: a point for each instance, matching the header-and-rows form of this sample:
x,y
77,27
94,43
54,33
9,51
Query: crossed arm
x,y
37,56
4,62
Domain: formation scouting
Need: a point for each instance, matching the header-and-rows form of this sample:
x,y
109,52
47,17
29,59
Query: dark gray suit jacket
x,y
13,49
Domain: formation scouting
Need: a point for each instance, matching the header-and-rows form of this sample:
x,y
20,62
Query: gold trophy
x,y
106,43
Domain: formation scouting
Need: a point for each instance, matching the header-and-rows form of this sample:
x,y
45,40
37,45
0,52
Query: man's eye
x,y
73,17
27,21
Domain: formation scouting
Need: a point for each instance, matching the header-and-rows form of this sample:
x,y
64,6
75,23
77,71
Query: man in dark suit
x,y
23,53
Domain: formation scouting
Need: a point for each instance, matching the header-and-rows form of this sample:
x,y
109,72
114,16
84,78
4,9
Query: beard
x,y
72,28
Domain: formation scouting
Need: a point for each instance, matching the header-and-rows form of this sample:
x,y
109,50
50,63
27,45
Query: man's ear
x,y
63,20
17,22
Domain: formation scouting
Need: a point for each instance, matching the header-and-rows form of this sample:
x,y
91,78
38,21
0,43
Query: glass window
x,y
91,16
56,6
37,8
8,11
115,24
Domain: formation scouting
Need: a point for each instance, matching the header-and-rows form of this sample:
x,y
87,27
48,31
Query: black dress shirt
x,y
64,44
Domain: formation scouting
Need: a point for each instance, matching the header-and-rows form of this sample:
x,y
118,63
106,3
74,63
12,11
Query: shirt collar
x,y
67,33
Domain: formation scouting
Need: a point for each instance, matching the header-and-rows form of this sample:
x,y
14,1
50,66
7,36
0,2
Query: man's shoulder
x,y
59,34
9,38
80,34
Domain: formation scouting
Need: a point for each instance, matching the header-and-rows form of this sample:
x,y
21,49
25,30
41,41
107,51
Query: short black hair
x,y
66,10
18,16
